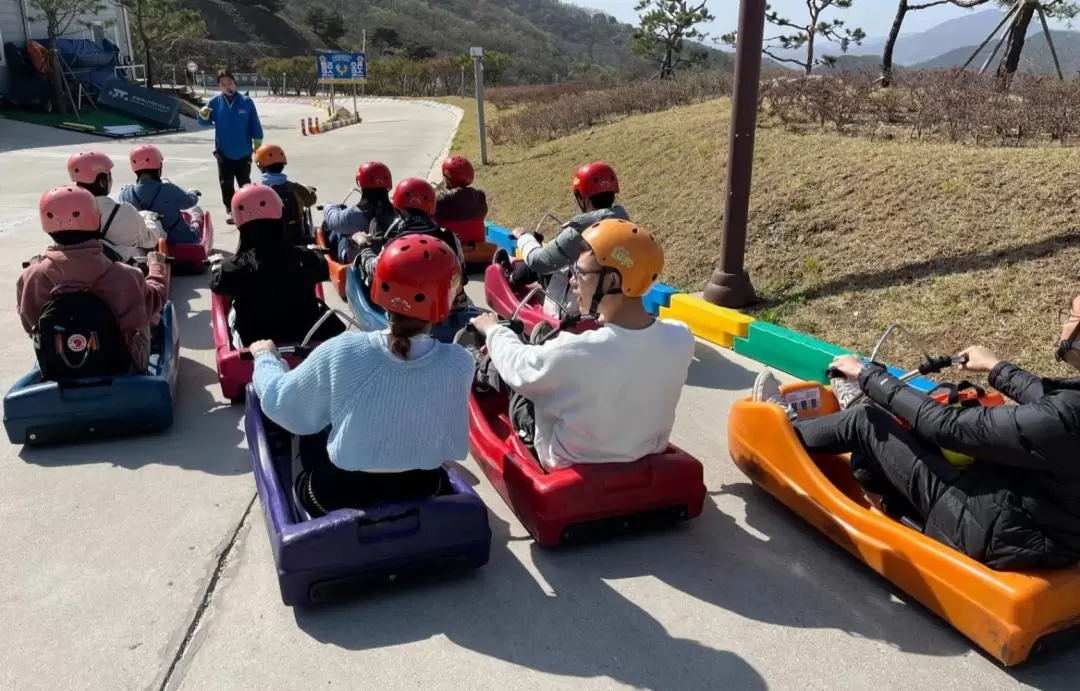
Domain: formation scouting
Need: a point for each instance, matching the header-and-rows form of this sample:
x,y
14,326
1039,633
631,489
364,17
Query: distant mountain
x,y
1036,58
546,39
913,48
852,63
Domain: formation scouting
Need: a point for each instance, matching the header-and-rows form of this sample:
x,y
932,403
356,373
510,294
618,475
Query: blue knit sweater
x,y
386,414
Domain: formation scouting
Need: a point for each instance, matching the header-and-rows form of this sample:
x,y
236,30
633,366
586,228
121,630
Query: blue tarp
x,y
91,62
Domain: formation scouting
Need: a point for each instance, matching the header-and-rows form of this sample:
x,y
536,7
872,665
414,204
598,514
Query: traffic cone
x,y
318,127
311,127
303,130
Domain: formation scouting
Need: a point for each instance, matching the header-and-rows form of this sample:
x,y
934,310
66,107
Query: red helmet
x,y
458,172
374,176
414,193
85,166
595,178
69,208
256,203
417,276
146,157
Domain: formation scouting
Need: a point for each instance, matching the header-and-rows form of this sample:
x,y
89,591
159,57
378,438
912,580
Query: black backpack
x,y
77,336
292,215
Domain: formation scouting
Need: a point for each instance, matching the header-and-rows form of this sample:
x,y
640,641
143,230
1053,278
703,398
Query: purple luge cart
x,y
353,548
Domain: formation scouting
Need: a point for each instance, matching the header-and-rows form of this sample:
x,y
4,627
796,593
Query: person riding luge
x,y
373,214
271,283
602,396
124,229
395,401
296,198
151,193
595,188
414,200
1017,507
123,305
456,199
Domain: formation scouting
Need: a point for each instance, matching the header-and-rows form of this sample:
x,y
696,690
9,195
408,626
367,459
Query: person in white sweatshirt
x,y
124,229
603,396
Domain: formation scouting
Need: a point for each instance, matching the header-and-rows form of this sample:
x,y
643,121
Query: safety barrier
x,y
791,352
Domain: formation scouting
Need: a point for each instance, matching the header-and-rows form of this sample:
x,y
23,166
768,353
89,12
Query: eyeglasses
x,y
578,273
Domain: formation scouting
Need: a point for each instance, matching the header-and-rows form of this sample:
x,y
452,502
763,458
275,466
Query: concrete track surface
x,y
144,563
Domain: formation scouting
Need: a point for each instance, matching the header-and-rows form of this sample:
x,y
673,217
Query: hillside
x,y
852,63
238,34
1036,58
547,39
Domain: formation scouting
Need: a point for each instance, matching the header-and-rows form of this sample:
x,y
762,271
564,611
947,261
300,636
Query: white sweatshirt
x,y
130,229
603,396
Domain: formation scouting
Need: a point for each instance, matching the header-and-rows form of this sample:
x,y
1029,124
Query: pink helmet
x,y
86,166
146,157
69,208
256,203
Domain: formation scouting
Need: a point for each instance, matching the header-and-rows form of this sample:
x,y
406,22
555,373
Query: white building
x,y
18,22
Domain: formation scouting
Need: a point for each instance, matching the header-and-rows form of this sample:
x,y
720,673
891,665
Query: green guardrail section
x,y
789,351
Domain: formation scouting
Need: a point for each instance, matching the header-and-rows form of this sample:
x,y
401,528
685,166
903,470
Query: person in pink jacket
x,y
76,263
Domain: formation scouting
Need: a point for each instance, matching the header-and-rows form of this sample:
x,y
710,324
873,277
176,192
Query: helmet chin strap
x,y
599,293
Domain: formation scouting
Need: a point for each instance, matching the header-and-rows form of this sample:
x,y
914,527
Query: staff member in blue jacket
x,y
237,133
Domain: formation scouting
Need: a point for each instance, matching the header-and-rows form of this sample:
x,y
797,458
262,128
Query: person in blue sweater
x,y
237,133
168,201
395,401
373,215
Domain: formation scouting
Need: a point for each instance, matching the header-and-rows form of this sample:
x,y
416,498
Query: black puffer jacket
x,y
413,225
1023,493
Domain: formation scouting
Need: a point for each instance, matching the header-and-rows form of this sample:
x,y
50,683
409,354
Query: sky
x,y
873,16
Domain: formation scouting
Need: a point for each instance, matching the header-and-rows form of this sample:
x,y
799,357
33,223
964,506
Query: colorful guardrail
x,y
794,353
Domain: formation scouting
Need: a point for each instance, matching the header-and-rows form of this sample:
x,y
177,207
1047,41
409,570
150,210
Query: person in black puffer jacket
x,y
271,283
1017,507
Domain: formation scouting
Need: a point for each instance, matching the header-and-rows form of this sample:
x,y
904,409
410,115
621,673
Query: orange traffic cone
x,y
310,126
303,129
318,127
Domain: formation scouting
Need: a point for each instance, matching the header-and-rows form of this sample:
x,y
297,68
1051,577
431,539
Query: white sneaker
x,y
845,390
767,390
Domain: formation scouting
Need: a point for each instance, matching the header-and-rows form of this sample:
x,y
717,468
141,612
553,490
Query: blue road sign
x,y
341,68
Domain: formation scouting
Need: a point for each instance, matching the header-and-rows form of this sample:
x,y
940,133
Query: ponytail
x,y
402,329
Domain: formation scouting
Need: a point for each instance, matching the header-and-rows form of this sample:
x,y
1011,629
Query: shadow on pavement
x,y
587,630
711,370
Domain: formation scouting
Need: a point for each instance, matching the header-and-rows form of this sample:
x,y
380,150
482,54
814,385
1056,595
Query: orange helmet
x,y
630,250
268,155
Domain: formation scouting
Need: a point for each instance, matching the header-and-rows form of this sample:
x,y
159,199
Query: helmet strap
x,y
600,292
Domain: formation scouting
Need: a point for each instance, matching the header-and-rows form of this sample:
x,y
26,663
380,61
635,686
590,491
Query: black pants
x,y
323,487
228,170
975,511
522,412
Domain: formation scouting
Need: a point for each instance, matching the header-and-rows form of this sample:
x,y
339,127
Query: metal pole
x,y
363,49
282,83
1050,41
478,63
993,33
994,52
730,285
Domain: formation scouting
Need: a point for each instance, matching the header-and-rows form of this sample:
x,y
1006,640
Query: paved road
x,y
141,563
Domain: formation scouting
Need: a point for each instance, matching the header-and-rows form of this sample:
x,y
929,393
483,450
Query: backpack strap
x,y
108,222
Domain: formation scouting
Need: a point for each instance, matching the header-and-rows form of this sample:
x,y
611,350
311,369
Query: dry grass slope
x,y
962,244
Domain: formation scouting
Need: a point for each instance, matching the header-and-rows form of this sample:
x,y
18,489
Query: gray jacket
x,y
558,255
